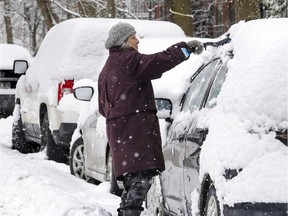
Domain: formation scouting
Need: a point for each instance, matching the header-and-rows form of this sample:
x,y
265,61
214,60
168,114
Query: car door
x,y
196,134
95,144
174,150
30,110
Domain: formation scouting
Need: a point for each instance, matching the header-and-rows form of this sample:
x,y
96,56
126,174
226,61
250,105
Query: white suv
x,y
71,50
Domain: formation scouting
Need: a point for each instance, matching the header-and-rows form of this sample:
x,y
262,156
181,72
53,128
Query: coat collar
x,y
117,49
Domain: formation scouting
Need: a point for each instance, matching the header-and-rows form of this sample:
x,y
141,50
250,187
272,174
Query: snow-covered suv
x,y
8,76
45,114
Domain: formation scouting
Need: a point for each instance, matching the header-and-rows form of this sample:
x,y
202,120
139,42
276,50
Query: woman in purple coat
x,y
126,100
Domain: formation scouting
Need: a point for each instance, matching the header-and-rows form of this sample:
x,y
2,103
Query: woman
x,y
126,100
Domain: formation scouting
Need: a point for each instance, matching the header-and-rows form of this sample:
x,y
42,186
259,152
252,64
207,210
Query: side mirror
x,y
164,107
20,66
84,93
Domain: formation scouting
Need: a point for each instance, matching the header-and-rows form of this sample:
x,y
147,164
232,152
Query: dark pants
x,y
136,186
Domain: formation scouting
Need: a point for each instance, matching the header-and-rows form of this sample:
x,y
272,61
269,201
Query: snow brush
x,y
218,43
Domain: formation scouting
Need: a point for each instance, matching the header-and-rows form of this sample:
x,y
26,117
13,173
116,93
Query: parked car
x,y
226,148
8,76
90,156
71,50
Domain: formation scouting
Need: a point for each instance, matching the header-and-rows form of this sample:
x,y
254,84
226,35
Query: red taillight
x,y
65,87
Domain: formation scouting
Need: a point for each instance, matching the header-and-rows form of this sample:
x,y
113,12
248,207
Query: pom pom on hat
x,y
118,34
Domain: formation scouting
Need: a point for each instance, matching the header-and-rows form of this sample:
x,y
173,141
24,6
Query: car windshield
x,y
216,87
199,86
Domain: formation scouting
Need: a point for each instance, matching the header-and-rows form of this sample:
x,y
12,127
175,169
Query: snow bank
x,y
32,185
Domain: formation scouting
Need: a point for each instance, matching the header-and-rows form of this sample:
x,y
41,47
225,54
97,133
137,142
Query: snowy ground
x,y
30,185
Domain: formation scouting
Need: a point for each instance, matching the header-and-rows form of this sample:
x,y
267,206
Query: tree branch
x,y
180,14
65,9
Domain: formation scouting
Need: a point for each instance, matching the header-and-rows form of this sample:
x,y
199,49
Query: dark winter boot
x,y
132,212
120,211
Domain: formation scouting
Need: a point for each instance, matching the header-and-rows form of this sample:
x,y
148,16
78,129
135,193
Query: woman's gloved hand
x,y
195,47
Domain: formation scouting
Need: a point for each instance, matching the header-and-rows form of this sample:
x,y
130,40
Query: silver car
x,y
90,156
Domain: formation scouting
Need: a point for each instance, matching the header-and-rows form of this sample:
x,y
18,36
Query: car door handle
x,y
173,152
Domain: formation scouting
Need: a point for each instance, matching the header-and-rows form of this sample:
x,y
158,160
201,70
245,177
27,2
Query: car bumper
x,y
64,134
7,105
257,209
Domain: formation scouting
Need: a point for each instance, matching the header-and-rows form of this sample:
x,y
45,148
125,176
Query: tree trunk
x,y
111,8
87,8
181,9
7,21
45,13
247,9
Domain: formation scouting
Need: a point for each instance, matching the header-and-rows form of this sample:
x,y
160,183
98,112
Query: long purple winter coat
x,y
126,100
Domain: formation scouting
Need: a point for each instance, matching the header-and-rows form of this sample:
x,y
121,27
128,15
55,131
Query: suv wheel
x,y
19,141
212,204
58,153
77,161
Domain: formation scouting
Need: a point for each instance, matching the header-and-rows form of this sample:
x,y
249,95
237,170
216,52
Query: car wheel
x,y
77,161
154,199
212,204
19,141
58,153
114,189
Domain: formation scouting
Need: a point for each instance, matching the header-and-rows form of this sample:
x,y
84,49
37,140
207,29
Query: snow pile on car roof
x,y
11,52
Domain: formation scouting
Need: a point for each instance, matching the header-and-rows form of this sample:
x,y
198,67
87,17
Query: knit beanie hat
x,y
118,34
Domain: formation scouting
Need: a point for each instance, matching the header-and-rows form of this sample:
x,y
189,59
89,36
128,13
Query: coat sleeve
x,y
154,65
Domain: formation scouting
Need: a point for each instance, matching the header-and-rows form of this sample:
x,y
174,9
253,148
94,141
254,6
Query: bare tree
x,y
33,20
246,10
45,11
111,8
87,8
7,21
181,14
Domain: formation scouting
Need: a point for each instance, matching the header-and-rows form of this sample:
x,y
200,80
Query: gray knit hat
x,y
118,34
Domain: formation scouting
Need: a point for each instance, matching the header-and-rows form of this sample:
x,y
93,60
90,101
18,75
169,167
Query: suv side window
x,y
216,86
198,86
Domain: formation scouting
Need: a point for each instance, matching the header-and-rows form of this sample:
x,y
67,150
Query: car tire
x,y
58,153
212,207
115,188
77,162
19,141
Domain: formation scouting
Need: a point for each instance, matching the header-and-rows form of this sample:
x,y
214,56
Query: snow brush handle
x,y
218,43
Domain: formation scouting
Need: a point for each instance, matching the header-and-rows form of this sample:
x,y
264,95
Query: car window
x,y
198,86
216,87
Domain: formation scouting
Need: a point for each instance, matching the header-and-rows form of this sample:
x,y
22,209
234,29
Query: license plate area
x,y
5,85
